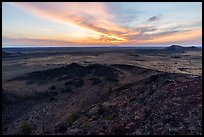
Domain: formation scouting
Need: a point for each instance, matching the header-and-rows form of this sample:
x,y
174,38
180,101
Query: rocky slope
x,y
162,104
104,99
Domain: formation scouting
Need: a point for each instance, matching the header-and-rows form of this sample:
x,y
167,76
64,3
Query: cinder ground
x,y
189,62
146,81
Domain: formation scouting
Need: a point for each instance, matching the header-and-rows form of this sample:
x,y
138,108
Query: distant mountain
x,y
175,47
178,48
192,47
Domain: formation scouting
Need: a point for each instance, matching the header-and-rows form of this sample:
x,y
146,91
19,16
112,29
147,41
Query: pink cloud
x,y
26,41
91,16
97,18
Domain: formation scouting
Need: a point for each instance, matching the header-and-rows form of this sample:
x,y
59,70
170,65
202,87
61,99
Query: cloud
x,y
149,32
179,36
146,28
47,42
154,18
170,32
30,42
100,24
105,40
94,17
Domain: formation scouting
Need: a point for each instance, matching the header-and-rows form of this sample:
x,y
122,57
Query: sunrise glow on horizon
x,y
101,23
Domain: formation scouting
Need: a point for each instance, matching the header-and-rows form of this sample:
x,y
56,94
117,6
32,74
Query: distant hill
x,y
5,53
192,47
179,48
175,47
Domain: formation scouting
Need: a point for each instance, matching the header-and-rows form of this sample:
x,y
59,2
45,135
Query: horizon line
x,y
115,46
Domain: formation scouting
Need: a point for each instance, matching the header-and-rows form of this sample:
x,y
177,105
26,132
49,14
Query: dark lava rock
x,y
117,129
67,88
61,128
168,77
76,82
5,54
110,73
52,94
131,68
124,66
8,98
95,81
167,104
176,57
53,87
73,70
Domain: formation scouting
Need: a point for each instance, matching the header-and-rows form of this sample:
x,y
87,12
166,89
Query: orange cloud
x,y
95,25
98,20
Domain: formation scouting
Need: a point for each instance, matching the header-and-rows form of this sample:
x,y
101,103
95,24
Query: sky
x,y
101,23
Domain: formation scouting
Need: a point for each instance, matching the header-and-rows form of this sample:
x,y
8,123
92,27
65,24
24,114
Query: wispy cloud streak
x,y
93,17
97,23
